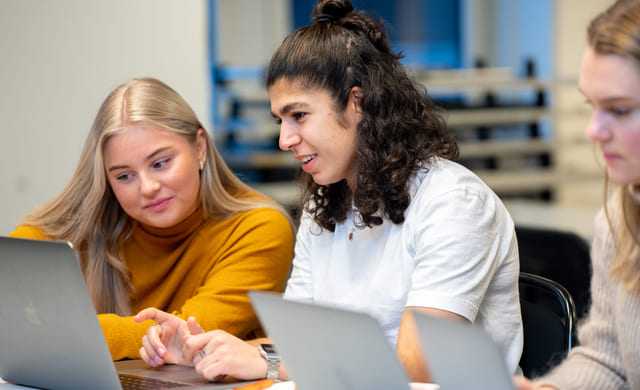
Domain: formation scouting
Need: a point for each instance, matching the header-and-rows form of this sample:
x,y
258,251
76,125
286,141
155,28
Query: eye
x,y
619,111
278,121
160,163
299,115
124,177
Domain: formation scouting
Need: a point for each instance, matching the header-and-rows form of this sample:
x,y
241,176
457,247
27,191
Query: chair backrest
x,y
548,337
560,256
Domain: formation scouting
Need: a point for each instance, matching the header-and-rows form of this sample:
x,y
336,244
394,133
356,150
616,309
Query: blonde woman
x,y
158,219
608,356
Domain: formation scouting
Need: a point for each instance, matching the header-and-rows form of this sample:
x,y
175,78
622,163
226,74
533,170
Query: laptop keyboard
x,y
133,382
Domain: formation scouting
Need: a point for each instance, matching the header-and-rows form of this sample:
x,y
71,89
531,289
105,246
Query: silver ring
x,y
203,353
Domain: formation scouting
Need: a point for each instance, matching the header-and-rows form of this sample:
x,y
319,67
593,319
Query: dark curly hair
x,y
401,128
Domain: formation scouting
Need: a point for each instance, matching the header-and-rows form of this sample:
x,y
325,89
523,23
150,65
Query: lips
x,y
158,204
308,158
610,157
308,162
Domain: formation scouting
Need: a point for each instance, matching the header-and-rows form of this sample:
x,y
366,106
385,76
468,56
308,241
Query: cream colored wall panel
x,y
572,19
567,96
570,129
585,193
250,30
579,160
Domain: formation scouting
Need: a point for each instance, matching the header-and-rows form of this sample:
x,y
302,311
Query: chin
x,y
623,179
160,224
319,181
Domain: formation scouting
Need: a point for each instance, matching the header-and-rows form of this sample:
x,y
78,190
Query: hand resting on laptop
x,y
214,354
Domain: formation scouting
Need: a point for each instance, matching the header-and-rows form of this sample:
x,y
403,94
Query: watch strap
x,y
272,359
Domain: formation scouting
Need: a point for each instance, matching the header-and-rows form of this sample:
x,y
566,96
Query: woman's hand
x,y
522,383
217,354
164,341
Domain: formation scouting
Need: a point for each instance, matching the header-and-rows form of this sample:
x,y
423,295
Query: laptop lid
x,y
461,355
329,348
50,336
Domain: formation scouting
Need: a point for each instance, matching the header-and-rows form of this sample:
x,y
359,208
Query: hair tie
x,y
324,18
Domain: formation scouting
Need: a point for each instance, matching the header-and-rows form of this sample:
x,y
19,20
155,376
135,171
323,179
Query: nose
x,y
598,127
289,137
149,186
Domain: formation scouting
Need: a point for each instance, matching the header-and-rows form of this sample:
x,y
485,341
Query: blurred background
x,y
506,70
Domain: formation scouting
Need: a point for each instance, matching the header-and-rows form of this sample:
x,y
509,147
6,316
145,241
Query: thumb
x,y
193,326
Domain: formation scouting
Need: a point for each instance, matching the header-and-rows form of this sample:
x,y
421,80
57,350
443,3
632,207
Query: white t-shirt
x,y
455,251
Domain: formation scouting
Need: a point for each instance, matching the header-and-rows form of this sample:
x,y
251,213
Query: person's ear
x,y
356,98
201,146
356,93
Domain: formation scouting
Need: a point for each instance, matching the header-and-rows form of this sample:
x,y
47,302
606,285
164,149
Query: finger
x,y
154,336
145,314
210,369
152,352
203,352
145,357
193,326
193,345
151,313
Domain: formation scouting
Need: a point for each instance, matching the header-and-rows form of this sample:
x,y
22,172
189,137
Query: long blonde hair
x,y
87,213
617,31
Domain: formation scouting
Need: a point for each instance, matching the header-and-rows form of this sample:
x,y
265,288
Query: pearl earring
x,y
201,165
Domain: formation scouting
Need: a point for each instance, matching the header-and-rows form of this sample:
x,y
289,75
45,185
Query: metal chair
x,y
561,256
558,255
548,337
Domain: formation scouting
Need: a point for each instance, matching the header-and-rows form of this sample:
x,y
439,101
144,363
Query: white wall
x,y
58,61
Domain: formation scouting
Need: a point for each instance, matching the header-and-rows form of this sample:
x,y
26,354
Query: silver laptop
x,y
50,336
329,348
461,355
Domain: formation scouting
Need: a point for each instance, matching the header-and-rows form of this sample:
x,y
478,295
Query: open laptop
x,y
50,336
461,355
329,348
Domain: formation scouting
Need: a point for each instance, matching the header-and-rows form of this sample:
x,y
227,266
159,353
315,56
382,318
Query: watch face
x,y
268,348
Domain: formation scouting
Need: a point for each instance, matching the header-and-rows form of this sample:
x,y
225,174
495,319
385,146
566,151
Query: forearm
x,y
410,352
409,348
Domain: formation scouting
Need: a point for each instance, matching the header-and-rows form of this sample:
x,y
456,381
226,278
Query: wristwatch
x,y
268,352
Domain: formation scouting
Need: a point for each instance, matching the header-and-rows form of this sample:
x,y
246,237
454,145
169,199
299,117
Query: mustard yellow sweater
x,y
199,268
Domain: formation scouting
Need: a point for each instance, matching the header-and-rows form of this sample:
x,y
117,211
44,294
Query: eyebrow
x,y
149,157
611,99
288,108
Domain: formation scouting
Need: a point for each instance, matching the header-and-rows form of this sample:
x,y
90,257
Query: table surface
x,y
287,385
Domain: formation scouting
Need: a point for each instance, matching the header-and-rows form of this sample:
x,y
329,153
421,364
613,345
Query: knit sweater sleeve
x,y
255,253
596,363
31,232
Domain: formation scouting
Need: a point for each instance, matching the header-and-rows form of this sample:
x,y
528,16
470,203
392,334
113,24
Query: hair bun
x,y
323,18
331,10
